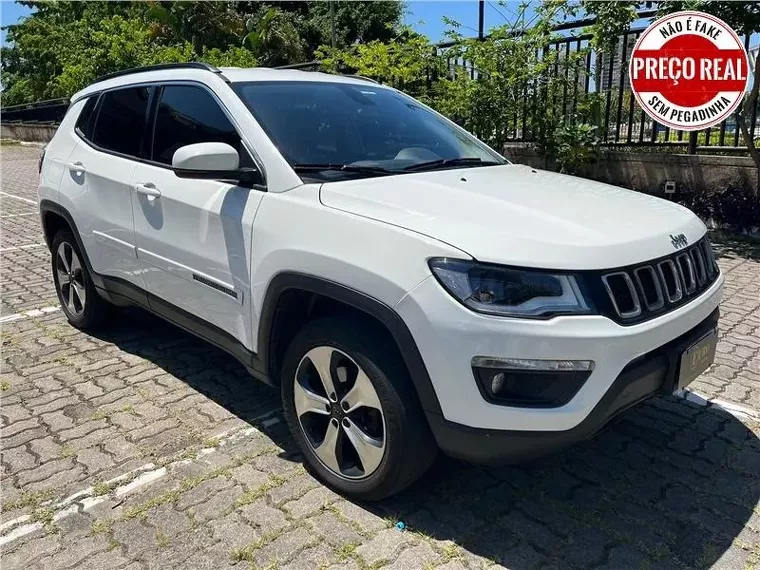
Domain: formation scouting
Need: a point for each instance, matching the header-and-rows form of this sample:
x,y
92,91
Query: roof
x,y
209,74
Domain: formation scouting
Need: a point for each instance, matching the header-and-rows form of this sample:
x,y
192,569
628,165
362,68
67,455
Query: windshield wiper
x,y
319,167
444,162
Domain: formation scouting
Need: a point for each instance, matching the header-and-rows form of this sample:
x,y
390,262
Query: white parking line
x,y
17,215
27,200
27,314
124,485
20,247
737,410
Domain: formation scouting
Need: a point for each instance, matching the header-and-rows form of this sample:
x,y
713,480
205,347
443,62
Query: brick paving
x,y
141,447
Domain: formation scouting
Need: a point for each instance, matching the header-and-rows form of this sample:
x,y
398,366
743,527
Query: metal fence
x,y
622,120
41,112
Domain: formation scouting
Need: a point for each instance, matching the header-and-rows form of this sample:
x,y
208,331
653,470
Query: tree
x,y
274,37
205,25
64,45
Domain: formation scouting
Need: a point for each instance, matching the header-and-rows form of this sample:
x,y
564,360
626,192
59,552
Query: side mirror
x,y
212,161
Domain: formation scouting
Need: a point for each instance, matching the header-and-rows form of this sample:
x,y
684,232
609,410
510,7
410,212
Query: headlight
x,y
507,291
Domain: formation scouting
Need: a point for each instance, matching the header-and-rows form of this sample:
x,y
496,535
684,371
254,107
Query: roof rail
x,y
311,65
360,77
187,65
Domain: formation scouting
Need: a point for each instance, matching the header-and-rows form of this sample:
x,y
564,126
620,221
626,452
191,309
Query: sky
x,y
425,16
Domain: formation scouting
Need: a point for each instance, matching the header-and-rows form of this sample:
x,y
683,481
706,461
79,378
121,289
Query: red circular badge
x,y
689,70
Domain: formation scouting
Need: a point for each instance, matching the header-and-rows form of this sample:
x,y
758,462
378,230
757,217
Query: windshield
x,y
335,130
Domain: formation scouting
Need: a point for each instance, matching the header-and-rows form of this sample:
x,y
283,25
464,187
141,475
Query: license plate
x,y
697,358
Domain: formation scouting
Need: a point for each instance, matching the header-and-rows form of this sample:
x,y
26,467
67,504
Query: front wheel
x,y
351,407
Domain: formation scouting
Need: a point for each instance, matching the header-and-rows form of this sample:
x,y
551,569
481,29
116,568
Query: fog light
x,y
497,382
530,383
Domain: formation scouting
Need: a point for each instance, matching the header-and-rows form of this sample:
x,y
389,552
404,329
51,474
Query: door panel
x,y
110,139
97,186
194,236
194,242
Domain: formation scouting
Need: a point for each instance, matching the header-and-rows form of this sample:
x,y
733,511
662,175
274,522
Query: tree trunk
x,y
745,116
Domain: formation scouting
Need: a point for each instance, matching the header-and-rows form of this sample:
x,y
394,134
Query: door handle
x,y
149,190
77,167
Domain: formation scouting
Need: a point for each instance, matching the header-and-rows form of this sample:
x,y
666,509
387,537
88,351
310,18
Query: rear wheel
x,y
80,302
350,405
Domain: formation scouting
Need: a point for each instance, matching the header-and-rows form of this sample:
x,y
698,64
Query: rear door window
x,y
121,120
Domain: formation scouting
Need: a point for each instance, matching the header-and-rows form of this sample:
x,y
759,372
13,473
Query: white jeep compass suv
x,y
406,287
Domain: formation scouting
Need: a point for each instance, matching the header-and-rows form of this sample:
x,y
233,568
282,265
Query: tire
x,y
83,306
355,346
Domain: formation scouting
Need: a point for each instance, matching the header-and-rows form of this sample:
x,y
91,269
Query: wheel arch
x,y
292,297
55,218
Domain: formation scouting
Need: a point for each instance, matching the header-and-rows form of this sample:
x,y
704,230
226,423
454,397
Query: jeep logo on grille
x,y
679,241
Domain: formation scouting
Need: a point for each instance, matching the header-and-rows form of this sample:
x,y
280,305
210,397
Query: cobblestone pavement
x,y
142,447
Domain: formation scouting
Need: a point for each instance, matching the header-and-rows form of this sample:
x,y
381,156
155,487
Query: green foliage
x,y
575,146
64,45
408,61
612,19
273,34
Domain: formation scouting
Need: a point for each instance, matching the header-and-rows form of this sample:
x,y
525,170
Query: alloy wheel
x,y
70,279
339,412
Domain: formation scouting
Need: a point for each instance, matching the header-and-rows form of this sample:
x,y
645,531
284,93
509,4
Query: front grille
x,y
640,292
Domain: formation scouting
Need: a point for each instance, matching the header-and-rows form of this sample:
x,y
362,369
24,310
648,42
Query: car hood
x,y
517,215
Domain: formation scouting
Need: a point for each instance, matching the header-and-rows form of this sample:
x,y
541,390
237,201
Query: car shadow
x,y
668,485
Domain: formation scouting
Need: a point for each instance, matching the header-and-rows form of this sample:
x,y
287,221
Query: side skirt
x,y
123,293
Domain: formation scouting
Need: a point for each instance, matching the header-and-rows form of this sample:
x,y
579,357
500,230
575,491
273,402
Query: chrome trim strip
x,y
660,303
692,285
699,263
532,364
636,311
676,279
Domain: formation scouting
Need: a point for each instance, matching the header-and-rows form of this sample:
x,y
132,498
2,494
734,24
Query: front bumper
x,y
652,373
448,336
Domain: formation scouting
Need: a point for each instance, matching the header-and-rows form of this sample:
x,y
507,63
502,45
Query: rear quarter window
x,y
86,119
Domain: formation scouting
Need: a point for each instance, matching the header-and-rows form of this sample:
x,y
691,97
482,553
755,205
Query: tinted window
x,y
119,126
189,115
87,117
339,123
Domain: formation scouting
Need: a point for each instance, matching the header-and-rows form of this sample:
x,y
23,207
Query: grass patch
x,y
102,488
211,442
250,496
103,414
162,539
188,454
172,496
9,142
4,386
451,551
101,526
45,516
32,500
68,451
346,551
